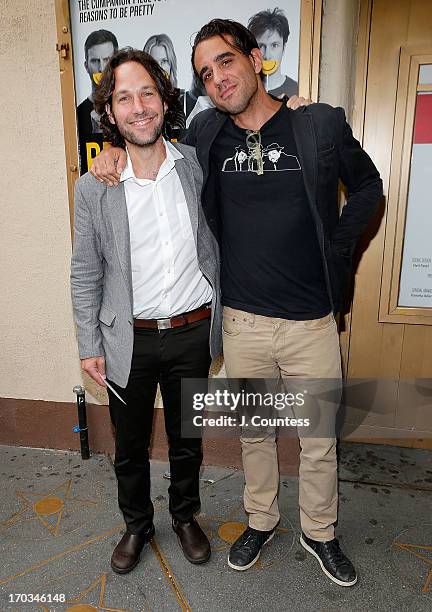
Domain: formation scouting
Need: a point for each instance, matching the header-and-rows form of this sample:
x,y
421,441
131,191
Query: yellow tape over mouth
x,y
269,66
97,77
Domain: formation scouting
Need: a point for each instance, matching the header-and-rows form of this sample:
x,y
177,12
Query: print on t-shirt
x,y
274,159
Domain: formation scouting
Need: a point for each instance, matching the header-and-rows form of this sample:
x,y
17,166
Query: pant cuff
x,y
261,525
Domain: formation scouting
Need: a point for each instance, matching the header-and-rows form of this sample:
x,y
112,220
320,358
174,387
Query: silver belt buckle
x,y
164,323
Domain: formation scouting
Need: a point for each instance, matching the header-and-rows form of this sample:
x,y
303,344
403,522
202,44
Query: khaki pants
x,y
256,346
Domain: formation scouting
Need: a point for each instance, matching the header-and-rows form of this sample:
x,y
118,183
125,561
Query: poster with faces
x,y
166,29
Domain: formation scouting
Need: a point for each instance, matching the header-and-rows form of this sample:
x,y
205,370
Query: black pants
x,y
163,357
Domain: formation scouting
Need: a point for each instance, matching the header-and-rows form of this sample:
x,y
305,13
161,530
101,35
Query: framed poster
x,y
287,31
406,295
416,272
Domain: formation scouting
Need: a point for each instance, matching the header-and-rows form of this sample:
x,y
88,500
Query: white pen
x,y
111,388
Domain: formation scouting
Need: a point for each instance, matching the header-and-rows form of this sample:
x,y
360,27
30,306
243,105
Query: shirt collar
x,y
172,154
172,151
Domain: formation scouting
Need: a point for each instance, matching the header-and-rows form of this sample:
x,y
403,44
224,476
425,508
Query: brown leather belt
x,y
204,312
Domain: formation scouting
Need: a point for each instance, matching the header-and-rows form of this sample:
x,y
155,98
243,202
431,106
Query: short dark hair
x,y
104,91
243,40
98,37
270,20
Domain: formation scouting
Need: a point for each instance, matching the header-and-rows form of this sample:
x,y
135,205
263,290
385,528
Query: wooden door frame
x,y
403,337
358,119
67,83
411,58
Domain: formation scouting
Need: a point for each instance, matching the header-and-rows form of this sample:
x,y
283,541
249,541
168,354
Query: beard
x,y
149,138
242,97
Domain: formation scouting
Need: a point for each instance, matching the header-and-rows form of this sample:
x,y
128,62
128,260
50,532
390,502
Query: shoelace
x,y
243,543
337,555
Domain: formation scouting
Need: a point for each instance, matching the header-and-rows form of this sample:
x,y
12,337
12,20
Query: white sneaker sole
x,y
326,572
242,568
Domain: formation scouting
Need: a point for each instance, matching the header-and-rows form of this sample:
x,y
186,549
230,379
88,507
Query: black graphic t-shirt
x,y
271,260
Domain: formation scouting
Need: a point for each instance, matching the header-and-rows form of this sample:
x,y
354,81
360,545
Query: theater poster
x,y
166,29
416,271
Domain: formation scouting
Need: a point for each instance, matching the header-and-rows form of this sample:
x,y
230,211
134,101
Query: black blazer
x,y
328,152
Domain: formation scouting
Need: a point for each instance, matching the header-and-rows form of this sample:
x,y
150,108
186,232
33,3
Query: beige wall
x,y
38,349
338,53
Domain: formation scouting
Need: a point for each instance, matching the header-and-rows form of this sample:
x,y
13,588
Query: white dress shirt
x,y
166,278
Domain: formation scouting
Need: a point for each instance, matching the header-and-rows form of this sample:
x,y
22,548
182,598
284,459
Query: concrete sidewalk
x,y
59,523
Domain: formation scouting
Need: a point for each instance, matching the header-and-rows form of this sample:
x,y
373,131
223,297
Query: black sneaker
x,y
247,548
333,562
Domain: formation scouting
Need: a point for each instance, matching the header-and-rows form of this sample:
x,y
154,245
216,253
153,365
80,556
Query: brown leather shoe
x,y
127,553
193,541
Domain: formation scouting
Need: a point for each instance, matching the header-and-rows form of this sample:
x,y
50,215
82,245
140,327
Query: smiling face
x,y
137,108
230,77
271,45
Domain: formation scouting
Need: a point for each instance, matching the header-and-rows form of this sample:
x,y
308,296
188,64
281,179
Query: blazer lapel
x,y
117,212
304,136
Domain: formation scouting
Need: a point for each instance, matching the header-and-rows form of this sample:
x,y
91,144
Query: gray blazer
x,y
101,275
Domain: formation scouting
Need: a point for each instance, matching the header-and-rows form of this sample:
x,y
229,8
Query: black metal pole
x,y
82,422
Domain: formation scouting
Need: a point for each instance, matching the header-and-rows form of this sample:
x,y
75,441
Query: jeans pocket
x,y
230,325
234,321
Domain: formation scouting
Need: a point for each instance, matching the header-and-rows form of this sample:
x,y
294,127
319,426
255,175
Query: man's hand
x,y
295,102
95,368
108,165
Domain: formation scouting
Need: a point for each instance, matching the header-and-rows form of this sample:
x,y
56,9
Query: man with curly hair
x,y
146,296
